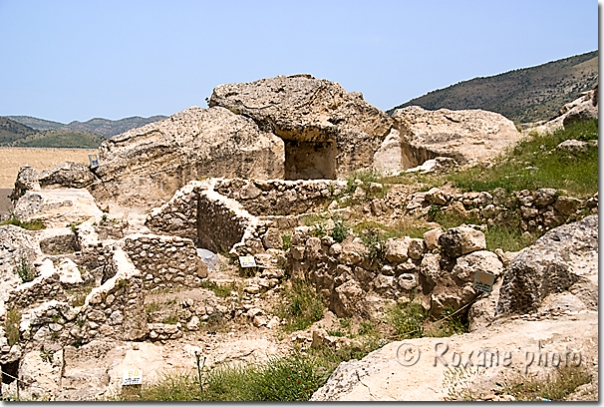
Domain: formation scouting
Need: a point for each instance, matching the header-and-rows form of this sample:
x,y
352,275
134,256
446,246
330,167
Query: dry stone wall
x,y
350,273
279,197
539,210
165,261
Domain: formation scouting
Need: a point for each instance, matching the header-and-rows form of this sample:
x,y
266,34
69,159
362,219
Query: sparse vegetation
x,y
11,326
35,224
221,290
287,242
25,270
511,95
555,387
302,305
536,163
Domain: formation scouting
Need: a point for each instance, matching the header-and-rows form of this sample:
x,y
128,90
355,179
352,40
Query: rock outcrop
x,y
149,164
327,131
559,259
468,136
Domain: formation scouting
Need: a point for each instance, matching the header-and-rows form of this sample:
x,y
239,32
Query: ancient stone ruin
x,y
269,170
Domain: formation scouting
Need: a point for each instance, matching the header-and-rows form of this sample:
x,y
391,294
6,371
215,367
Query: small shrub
x,y
287,242
340,231
375,244
11,326
122,283
25,271
302,306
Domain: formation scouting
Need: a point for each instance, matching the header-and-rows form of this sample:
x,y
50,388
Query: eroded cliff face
x,y
327,131
148,165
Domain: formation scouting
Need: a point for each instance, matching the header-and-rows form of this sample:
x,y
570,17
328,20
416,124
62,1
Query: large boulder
x,y
327,131
468,136
146,166
561,258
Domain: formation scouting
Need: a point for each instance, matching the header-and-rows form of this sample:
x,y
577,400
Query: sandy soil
x,y
39,158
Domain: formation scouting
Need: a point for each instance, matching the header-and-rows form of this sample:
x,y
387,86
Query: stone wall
x,y
43,288
350,273
539,210
279,197
178,217
165,261
115,309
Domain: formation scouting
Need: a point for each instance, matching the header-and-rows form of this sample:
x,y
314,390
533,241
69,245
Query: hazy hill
x,y
110,128
35,123
104,127
523,95
61,138
11,131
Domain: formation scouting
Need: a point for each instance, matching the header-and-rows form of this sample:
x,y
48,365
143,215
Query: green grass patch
x,y
291,377
35,224
302,305
221,290
535,163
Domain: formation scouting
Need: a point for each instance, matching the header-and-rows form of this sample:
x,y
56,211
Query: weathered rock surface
x,y
559,259
148,165
420,369
57,207
327,131
468,136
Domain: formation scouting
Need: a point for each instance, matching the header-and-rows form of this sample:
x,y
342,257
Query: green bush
x,y
555,387
340,231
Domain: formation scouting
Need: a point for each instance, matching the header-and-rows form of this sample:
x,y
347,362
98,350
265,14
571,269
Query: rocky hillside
x,y
523,95
11,131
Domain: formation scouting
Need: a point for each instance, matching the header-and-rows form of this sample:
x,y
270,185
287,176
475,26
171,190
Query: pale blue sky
x,y
67,60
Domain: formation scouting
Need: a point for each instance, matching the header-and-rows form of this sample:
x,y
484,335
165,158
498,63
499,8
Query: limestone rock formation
x,y
327,131
559,259
147,165
468,136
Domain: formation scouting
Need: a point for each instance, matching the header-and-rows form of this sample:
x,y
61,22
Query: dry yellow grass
x,y
11,159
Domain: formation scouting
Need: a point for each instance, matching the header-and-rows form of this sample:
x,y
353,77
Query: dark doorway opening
x,y
309,160
10,371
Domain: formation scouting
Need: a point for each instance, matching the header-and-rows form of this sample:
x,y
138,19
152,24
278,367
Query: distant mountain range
x,y
25,131
103,127
523,95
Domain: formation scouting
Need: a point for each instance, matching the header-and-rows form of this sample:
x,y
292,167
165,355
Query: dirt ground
x,y
11,159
